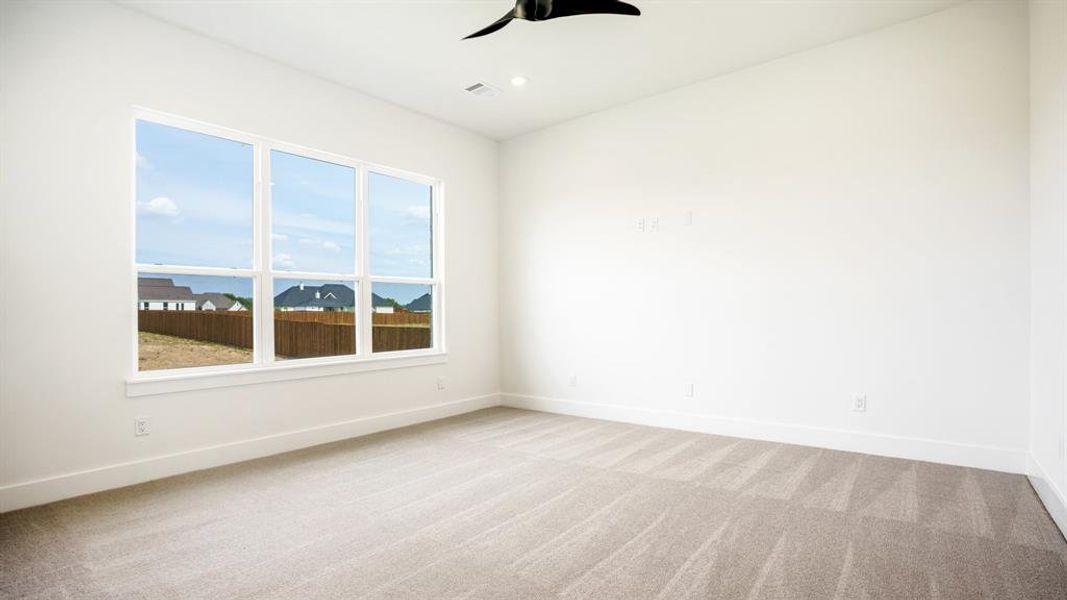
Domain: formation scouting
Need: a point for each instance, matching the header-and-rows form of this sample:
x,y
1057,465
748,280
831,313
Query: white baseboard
x,y
966,455
1054,499
50,489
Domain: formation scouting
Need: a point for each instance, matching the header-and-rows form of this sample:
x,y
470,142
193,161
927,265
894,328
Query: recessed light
x,y
518,81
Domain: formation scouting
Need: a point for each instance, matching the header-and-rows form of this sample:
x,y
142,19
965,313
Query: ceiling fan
x,y
543,10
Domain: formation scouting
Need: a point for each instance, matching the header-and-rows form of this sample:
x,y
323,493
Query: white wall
x,y
860,225
1048,210
70,73
860,219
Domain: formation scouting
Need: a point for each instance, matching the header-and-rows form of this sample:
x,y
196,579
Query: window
x,y
403,316
401,227
251,252
168,338
313,215
401,262
314,318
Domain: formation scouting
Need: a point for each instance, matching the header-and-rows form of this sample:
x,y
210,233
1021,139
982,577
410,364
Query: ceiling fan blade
x,y
496,26
570,8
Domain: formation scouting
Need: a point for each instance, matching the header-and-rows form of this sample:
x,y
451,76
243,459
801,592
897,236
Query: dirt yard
x,y
157,351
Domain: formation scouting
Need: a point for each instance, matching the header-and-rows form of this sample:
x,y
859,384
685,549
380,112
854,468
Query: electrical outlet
x,y
573,382
440,383
641,225
653,224
689,390
859,403
141,426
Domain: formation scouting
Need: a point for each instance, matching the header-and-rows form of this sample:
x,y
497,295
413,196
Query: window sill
x,y
182,380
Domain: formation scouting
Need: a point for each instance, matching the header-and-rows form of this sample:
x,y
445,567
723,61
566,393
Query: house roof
x,y
339,295
161,288
218,300
423,303
330,295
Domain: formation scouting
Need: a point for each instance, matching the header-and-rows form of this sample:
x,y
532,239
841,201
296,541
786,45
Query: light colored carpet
x,y
505,504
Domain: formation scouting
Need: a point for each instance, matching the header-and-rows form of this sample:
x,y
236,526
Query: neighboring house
x,y
216,301
160,293
330,297
422,304
382,305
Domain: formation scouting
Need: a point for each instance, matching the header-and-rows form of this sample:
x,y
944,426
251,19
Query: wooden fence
x,y
388,338
299,339
204,325
402,318
296,334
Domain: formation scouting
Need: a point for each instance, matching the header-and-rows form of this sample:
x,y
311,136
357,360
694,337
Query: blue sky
x,y
194,199
195,208
401,292
400,233
314,214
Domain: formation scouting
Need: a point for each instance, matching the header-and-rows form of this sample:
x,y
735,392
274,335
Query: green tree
x,y
244,301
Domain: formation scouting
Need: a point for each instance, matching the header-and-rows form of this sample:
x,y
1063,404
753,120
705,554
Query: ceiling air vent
x,y
482,89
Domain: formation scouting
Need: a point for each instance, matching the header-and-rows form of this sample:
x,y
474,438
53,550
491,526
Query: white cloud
x,y
284,261
205,205
313,242
143,162
279,238
406,250
419,212
311,223
160,206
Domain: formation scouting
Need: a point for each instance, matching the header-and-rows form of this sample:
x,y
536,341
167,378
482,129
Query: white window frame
x,y
264,366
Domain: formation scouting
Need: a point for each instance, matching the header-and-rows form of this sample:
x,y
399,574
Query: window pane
x,y
194,198
403,315
400,227
313,209
193,321
314,318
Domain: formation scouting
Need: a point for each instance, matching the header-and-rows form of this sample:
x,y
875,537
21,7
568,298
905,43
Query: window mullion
x,y
264,302
185,270
437,266
408,280
365,318
312,275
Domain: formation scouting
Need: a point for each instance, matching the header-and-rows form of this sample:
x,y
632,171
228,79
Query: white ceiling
x,y
410,52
